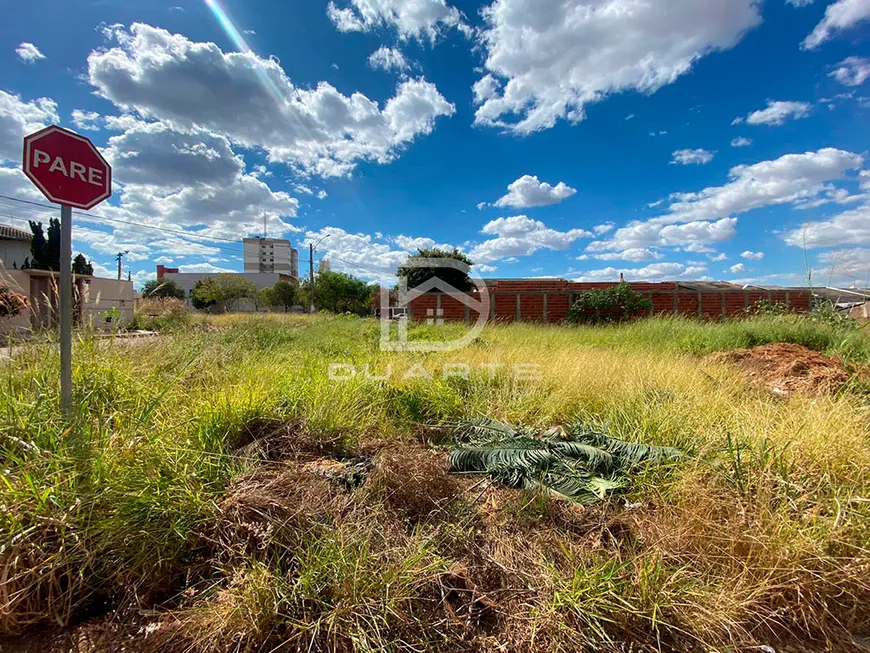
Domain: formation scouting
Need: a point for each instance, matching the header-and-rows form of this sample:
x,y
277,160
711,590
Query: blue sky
x,y
665,139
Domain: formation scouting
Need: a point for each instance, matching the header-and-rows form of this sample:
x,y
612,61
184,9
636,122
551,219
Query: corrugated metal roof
x,y
12,233
709,286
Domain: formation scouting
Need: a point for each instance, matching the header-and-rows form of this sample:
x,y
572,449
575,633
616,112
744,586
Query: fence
x,y
548,301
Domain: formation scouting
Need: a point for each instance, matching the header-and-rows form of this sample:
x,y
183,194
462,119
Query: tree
x,y
339,293
52,250
82,266
37,247
162,289
196,293
44,253
265,297
225,289
416,276
283,294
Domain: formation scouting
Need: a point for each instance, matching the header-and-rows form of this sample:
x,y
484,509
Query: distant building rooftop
x,y
8,232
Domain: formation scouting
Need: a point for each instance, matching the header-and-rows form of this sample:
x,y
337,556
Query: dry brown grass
x,y
203,478
414,481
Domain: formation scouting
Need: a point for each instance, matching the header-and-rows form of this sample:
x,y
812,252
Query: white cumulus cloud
x,y
840,15
546,60
652,272
741,141
636,254
777,113
19,118
698,156
852,71
788,179
528,191
519,235
420,19
693,236
357,253
388,59
86,120
847,266
29,53
752,256
850,227
166,76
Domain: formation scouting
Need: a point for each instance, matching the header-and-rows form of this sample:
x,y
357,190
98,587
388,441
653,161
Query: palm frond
x,y
484,427
578,463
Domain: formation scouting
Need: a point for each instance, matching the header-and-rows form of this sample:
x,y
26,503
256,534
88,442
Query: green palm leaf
x,y
579,463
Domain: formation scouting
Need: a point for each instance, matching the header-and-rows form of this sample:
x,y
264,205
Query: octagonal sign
x,y
67,168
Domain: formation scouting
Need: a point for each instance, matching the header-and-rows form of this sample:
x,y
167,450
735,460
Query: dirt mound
x,y
786,369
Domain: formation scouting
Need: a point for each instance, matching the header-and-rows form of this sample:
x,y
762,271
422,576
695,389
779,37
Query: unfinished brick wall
x,y
548,301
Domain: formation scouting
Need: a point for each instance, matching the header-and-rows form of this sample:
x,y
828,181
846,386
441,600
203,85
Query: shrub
x,y
161,314
766,307
826,313
162,289
11,302
615,304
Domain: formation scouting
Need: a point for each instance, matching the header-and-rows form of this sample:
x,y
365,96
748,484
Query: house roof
x,y
12,233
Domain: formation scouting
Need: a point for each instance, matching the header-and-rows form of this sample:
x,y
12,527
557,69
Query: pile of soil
x,y
786,369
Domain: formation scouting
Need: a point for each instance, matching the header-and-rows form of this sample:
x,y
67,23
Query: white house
x,y
14,247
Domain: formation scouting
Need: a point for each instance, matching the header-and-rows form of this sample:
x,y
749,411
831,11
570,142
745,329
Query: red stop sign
x,y
67,168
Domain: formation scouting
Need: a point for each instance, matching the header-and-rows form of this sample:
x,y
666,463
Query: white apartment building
x,y
270,255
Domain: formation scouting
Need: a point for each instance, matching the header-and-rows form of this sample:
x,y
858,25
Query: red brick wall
x,y
667,299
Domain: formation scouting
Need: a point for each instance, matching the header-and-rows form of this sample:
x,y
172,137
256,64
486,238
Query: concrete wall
x,y
102,295
187,280
96,297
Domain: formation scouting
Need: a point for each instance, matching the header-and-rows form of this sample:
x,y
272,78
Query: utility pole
x,y
311,249
311,275
119,257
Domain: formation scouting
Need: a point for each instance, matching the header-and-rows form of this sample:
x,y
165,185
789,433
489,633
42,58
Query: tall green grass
x,y
770,506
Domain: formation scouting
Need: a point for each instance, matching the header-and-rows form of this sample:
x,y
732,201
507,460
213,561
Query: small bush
x,y
765,307
826,313
161,314
11,302
615,304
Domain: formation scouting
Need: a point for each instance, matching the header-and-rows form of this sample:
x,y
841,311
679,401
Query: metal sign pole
x,y
66,309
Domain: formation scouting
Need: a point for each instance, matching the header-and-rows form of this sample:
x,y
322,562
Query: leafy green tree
x,y
162,289
82,266
45,252
283,294
225,290
197,292
38,247
339,292
614,304
416,276
264,298
52,249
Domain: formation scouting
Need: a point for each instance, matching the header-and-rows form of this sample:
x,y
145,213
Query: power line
x,y
91,216
36,209
94,217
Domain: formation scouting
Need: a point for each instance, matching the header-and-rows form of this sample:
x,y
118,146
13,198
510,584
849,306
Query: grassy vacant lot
x,y
182,498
